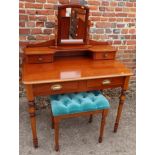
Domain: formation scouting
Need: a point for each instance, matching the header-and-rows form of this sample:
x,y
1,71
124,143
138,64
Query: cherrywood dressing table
x,y
54,67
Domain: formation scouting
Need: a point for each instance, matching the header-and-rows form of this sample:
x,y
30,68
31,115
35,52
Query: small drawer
x,y
55,88
39,58
104,56
105,82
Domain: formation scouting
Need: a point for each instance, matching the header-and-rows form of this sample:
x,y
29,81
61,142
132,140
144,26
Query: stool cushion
x,y
78,102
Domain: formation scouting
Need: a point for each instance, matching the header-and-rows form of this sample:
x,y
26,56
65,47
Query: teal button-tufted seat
x,y
76,105
78,102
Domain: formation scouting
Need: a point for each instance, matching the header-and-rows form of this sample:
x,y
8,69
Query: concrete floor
x,y
77,137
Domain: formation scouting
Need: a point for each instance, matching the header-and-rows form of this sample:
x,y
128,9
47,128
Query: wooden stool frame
x,y
56,119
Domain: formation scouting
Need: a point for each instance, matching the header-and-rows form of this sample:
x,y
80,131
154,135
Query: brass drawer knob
x,y
106,82
56,87
40,58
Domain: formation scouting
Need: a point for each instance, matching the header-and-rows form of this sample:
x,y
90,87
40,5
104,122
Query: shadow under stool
x,y
76,105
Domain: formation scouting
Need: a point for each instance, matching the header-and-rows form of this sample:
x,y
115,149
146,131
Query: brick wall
x,y
112,20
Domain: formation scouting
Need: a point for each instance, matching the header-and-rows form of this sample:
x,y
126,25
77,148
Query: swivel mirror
x,y
72,24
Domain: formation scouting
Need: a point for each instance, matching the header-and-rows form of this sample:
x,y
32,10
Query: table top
x,y
72,69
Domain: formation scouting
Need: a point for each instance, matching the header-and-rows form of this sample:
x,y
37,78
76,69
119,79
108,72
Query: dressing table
x,y
71,63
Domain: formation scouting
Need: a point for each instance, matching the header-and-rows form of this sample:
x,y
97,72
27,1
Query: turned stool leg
x,y
90,118
102,126
56,128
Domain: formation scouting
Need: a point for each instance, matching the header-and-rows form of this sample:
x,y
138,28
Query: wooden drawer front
x,y
55,88
105,83
39,58
104,56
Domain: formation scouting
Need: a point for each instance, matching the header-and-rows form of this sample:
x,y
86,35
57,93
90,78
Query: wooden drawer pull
x,y
105,55
56,87
105,82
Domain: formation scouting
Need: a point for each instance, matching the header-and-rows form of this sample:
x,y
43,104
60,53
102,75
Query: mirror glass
x,y
73,25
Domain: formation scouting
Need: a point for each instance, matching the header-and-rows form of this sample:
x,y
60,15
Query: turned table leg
x,y
119,111
33,122
103,120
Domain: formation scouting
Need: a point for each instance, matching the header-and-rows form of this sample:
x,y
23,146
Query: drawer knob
x,y
106,82
105,55
40,58
56,87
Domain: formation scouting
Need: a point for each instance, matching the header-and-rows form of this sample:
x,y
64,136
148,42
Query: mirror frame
x,y
59,24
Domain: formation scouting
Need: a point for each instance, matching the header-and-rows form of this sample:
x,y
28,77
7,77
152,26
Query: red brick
x,y
124,31
36,31
133,42
110,9
102,25
32,17
51,18
33,5
21,11
30,24
118,9
42,18
31,12
52,1
96,13
22,38
104,19
131,47
132,31
109,14
42,12
21,24
112,19
131,15
120,25
21,5
127,19
95,18
119,19
24,31
113,3
125,9
133,37
94,2
92,7
39,24
105,3
129,4
48,31
48,6
39,37
133,10
23,17
121,14
113,36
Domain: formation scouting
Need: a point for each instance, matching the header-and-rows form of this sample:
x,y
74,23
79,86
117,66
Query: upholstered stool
x,y
75,105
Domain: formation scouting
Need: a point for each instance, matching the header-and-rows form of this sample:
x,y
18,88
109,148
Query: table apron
x,y
77,86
